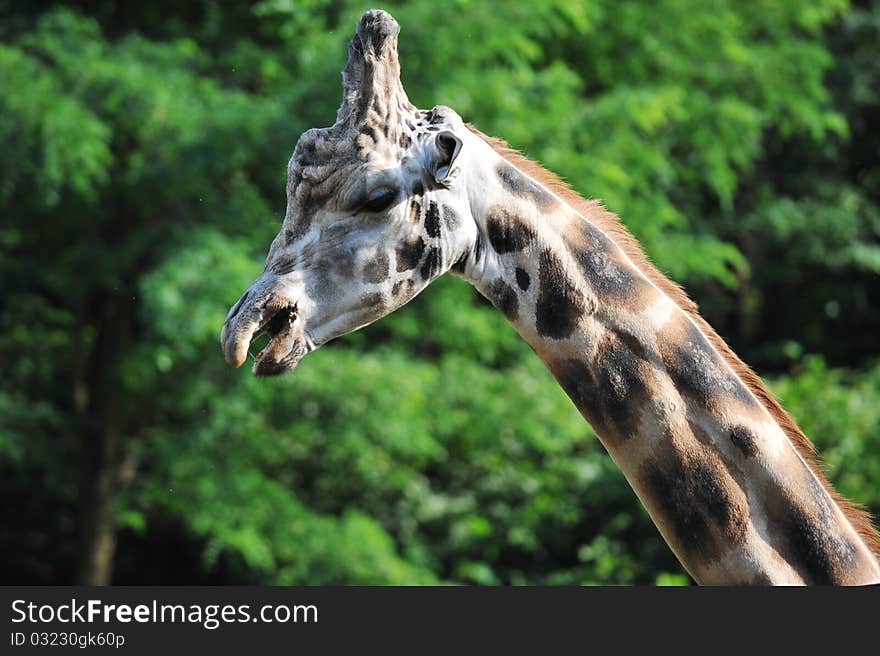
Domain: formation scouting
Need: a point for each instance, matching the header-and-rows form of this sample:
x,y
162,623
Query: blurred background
x,y
143,150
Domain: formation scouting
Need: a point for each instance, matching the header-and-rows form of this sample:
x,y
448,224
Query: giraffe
x,y
391,197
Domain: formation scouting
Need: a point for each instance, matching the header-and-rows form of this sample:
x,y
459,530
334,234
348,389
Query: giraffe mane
x,y
611,224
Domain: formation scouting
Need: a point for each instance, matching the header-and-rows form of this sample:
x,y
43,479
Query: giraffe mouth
x,y
279,320
286,346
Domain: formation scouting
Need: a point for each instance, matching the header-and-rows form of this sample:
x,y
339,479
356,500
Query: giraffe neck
x,y
720,478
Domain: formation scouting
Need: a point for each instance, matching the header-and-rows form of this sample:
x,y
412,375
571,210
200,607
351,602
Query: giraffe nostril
x,y
237,307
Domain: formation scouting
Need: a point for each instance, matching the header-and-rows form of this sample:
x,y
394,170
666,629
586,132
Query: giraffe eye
x,y
380,200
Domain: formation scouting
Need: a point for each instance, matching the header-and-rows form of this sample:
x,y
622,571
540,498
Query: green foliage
x,y
141,180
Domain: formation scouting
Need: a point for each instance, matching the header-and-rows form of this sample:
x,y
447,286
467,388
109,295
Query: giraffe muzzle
x,y
275,316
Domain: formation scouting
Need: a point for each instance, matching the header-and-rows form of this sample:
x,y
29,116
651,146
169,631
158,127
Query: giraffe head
x,y
376,210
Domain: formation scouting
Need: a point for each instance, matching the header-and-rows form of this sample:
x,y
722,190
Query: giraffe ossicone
x,y
391,197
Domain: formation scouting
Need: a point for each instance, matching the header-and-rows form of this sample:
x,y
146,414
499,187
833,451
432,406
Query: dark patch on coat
x,y
375,301
507,232
418,188
376,270
320,283
588,237
813,541
611,278
403,286
431,264
694,502
404,141
450,218
370,131
521,185
819,555
609,274
343,264
415,211
610,391
435,115
504,298
560,303
409,254
744,440
522,279
432,220
696,368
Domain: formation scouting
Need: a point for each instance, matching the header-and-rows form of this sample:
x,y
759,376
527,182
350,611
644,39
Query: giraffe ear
x,y
446,148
